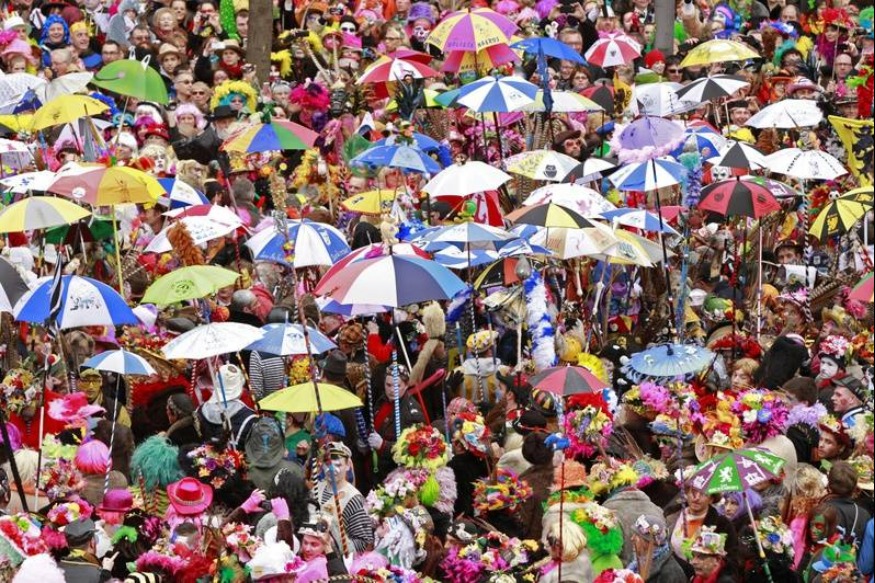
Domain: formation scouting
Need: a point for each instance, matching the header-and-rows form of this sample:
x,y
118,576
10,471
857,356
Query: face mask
x,y
421,33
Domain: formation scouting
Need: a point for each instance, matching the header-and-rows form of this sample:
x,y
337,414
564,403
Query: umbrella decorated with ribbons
x,y
718,51
567,380
213,339
12,285
613,50
40,212
669,361
837,217
397,156
276,135
132,78
189,283
306,242
284,339
303,398
541,165
805,164
83,302
121,362
471,30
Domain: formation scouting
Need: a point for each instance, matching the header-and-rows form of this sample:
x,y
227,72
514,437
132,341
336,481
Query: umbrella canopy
x,y
631,249
548,47
212,339
391,280
711,88
738,198
465,234
718,51
613,50
63,85
372,202
429,101
397,156
471,30
391,68
189,283
864,194
739,155
777,188
274,136
132,78
288,339
707,140
541,165
467,178
481,61
302,399
500,273
736,471
329,306
837,217
83,302
104,186
567,380
571,243
65,109
201,229
482,207
372,251
498,94
93,229
121,362
586,201
865,290
549,215
421,141
180,194
39,212
15,85
661,99
649,175
12,285
805,164
639,219
787,114
312,244
650,132
28,181
669,360
563,102
593,168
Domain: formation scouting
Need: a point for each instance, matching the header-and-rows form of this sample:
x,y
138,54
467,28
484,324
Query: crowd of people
x,y
691,400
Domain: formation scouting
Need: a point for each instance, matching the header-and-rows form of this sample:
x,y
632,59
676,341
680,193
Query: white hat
x,y
128,140
270,560
232,381
13,21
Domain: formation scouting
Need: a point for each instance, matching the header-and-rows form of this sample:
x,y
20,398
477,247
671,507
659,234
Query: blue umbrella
x,y
394,156
313,244
181,194
465,234
329,306
288,339
84,302
423,142
649,175
668,361
121,362
639,219
708,142
549,47
497,94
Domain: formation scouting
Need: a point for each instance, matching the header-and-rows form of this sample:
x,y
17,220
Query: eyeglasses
x,y
198,92
350,29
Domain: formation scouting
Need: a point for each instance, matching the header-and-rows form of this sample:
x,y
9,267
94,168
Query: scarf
x,y
659,555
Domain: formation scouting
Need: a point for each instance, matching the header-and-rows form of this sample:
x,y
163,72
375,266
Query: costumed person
x,y
80,564
832,355
654,560
93,461
539,476
91,383
395,409
566,544
476,379
154,466
315,545
225,415
470,460
709,558
180,413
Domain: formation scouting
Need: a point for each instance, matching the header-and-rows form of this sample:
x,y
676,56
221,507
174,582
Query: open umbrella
x,y
567,380
15,154
105,186
541,165
372,251
389,68
669,361
661,99
12,285
739,155
397,156
549,215
613,50
481,61
284,339
497,94
302,398
65,109
66,84
180,194
631,249
464,235
28,181
210,340
650,132
805,164
738,198
549,47
482,207
132,78
584,200
649,175
711,88
864,291
312,243
736,471
837,217
83,302
372,202
471,30
201,229
467,178
571,243
718,51
563,102
88,230
189,283
15,85
787,114
639,219
277,135
708,141
864,194
121,362
39,212
421,141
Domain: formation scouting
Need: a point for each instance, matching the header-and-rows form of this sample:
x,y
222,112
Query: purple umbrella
x,y
650,132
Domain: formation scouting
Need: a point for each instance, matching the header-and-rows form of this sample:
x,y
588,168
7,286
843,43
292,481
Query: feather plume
x,y
538,319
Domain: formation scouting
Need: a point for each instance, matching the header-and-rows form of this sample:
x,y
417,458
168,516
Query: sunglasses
x,y
198,92
350,29
674,70
317,526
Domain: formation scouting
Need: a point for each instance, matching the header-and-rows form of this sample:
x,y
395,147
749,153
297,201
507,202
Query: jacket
x,y
83,569
531,512
629,504
666,569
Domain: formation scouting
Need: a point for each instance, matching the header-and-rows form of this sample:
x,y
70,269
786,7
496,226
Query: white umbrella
x,y
14,153
14,86
202,229
661,99
212,339
121,362
63,85
497,94
465,179
713,87
571,243
648,175
805,164
582,199
787,114
541,165
28,181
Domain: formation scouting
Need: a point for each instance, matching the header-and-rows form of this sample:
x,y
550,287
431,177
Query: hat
x,y
351,333
228,45
559,140
653,57
189,497
271,560
14,21
231,381
179,325
529,421
651,528
339,448
167,49
709,542
801,83
605,129
79,532
128,140
90,373
223,112
481,341
116,500
420,11
335,364
328,424
853,384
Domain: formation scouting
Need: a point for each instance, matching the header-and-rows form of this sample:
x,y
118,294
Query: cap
x,y
80,532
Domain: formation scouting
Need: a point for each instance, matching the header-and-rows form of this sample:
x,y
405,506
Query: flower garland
x,y
721,426
22,534
420,446
775,536
604,478
64,514
538,320
763,414
588,426
505,492
836,346
863,428
216,467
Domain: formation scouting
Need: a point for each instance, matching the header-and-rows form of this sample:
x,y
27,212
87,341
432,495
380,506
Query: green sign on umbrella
x,y
132,78
736,471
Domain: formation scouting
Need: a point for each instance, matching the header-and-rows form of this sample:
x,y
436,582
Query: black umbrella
x,y
12,285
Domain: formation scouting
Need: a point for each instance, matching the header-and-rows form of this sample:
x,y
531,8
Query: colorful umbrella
x,y
650,132
541,165
93,229
303,398
180,194
65,109
288,339
189,283
718,51
105,186
837,217
430,101
707,140
39,212
15,154
471,30
631,249
388,69
613,50
397,156
738,198
712,87
567,380
549,215
277,135
592,169
329,306
549,47
201,229
455,258
372,202
481,61
736,471
649,175
500,273
464,234
210,340
483,207
467,178
805,164
132,78
585,201
865,290
83,302
777,188
391,280
372,251
12,285
121,362
421,141
639,219
787,114
497,94
739,155
563,102
306,242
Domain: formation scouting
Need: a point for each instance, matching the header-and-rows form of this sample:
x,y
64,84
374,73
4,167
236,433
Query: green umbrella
x,y
93,229
189,283
132,78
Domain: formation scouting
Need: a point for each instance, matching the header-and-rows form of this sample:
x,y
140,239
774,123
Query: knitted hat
x,y
653,57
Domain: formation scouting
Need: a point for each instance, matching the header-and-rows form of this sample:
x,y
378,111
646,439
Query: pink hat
x,y
189,496
116,500
18,47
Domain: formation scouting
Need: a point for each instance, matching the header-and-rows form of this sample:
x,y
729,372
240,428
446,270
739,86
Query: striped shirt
x,y
267,373
358,525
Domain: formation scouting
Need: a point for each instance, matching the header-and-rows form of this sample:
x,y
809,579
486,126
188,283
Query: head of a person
x,y
339,458
842,479
743,371
180,10
179,406
315,538
79,37
164,20
708,552
739,112
573,38
16,64
823,522
140,37
62,60
847,394
800,390
91,383
402,376
698,500
200,93
790,13
81,535
110,51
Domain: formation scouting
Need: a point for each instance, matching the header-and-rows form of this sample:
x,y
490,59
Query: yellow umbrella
x,y
372,202
40,212
66,108
301,398
718,51
17,123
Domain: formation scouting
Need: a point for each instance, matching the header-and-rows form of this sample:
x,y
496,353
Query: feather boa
x,y
538,320
692,161
806,415
457,306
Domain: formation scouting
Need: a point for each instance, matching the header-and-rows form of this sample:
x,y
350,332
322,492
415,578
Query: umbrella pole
x,y
118,381
118,252
756,537
759,296
16,476
498,137
370,392
665,267
480,382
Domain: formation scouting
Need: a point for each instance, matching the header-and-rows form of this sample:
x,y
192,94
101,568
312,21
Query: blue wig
x,y
52,19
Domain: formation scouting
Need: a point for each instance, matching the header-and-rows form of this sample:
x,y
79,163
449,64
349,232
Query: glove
x,y
253,503
280,508
108,562
375,441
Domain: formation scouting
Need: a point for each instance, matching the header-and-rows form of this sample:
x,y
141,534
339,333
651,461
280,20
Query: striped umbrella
x,y
310,244
837,217
397,156
550,216
84,302
471,30
497,94
649,175
563,102
711,88
481,61
283,339
613,50
277,135
865,290
739,155
374,250
121,362
661,99
40,212
12,285
738,198
390,68
567,380
707,140
639,219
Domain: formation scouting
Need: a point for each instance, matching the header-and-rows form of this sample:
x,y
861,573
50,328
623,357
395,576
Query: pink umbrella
x,y
484,59
613,50
386,69
471,30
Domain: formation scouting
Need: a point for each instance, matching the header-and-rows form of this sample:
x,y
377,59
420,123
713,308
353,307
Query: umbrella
x,y
661,99
430,100
28,181
132,78
285,339
711,88
736,471
739,198
603,94
15,85
372,202
865,290
189,283
739,155
471,30
397,156
483,207
497,94
121,362
84,302
805,164
649,175
329,306
863,194
571,243
613,50
201,229
466,234
39,212
563,102
103,186
302,398
549,215
639,219
65,109
567,380
455,258
63,85
391,68
593,168
706,139
93,229
12,285
541,165
500,273
180,194
421,141
481,61
274,136
312,243
669,360
212,339
650,132
585,201
370,252
391,280
718,51
549,47
837,217
777,188
215,212
632,249
787,114
467,178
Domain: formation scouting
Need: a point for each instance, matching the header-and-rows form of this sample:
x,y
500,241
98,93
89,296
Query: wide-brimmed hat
x,y
168,49
231,380
222,112
188,496
709,542
116,500
229,45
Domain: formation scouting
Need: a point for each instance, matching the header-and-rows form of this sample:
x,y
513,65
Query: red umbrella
x,y
613,50
567,380
486,208
389,68
738,198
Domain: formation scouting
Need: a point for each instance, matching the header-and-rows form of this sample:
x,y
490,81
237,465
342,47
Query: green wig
x,y
155,460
